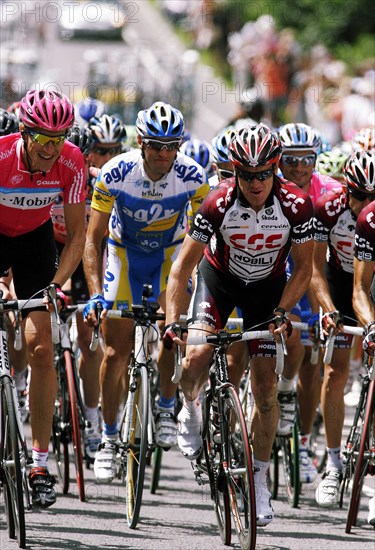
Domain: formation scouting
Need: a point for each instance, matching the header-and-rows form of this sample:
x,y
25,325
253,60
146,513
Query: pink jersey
x,y
27,199
320,185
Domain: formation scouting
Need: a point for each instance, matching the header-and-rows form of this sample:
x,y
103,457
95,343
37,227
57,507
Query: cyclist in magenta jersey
x,y
36,165
334,230
300,145
144,195
240,239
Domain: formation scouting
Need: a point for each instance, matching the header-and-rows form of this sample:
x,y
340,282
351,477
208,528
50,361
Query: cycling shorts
x,y
216,294
33,258
341,289
127,271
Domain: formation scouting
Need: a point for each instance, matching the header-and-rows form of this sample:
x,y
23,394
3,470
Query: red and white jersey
x,y
365,234
334,223
252,245
26,199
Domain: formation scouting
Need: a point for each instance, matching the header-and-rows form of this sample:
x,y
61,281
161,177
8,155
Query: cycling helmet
x,y
325,145
220,144
200,151
254,146
331,163
107,129
46,109
299,136
160,121
365,138
8,123
81,137
359,171
88,108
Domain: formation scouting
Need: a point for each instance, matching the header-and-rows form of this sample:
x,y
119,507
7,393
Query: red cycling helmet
x,y
254,146
359,171
47,109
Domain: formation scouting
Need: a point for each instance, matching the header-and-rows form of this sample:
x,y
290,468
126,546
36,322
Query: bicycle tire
x,y
273,472
136,422
318,446
361,462
13,476
156,465
240,471
60,435
212,453
75,424
290,461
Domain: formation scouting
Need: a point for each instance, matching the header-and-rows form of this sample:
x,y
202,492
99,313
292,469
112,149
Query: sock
x,y
110,431
91,414
40,458
260,472
191,406
305,440
334,459
165,403
284,384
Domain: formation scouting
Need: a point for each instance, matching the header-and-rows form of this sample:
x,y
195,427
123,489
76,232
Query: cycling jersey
x,y
321,184
27,199
247,244
148,215
334,223
365,234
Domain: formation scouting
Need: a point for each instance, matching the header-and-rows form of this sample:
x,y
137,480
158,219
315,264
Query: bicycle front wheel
x,y
362,459
240,471
60,429
13,466
75,424
135,440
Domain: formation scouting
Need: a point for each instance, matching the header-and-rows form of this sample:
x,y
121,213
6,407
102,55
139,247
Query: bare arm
x,y
362,304
188,257
319,283
75,241
93,258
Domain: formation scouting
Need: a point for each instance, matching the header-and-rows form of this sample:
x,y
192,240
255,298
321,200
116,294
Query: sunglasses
x,y
160,145
224,174
42,139
251,176
360,196
292,160
102,151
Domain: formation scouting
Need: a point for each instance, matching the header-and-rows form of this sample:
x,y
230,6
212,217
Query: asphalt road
x,y
179,516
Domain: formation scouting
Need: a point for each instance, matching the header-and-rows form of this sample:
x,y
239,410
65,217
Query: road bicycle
x,y
226,461
14,456
137,428
69,418
359,452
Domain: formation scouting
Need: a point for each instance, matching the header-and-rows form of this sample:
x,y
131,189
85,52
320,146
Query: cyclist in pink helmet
x,y
36,165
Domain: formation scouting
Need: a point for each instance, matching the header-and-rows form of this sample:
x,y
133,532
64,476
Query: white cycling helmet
x,y
107,129
299,136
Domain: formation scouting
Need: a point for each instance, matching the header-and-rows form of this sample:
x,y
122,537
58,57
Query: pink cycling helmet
x,y
47,109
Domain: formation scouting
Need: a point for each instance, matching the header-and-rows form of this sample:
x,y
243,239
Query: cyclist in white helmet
x,y
300,146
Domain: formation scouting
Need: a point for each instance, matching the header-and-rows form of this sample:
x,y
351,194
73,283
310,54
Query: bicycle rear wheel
x,y
135,440
362,459
213,464
240,471
75,423
13,464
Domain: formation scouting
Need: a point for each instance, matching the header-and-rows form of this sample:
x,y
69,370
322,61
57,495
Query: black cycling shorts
x,y
217,294
341,290
33,259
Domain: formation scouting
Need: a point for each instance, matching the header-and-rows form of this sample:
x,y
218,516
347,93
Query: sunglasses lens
x,y
251,176
362,196
42,139
290,160
105,151
159,145
225,174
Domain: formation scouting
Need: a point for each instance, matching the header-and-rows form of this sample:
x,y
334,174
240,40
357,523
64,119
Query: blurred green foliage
x,y
346,27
